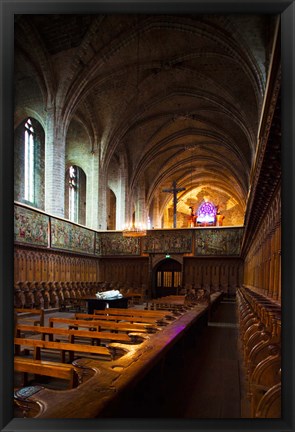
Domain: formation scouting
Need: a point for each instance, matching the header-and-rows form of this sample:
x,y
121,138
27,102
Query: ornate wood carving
x,y
267,175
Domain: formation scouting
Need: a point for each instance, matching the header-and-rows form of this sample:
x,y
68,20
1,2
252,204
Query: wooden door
x,y
167,278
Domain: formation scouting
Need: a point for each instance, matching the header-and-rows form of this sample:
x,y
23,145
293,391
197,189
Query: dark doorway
x,y
167,277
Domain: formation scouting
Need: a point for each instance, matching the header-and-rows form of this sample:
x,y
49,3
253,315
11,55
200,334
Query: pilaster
x,y
54,166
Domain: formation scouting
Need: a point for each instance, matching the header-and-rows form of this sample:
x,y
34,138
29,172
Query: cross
x,y
175,191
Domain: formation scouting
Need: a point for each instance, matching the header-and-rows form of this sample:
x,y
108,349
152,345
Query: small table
x,y
95,303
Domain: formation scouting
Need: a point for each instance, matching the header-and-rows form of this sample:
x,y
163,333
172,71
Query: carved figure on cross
x,y
175,191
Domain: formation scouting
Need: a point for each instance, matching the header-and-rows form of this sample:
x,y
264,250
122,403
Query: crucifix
x,y
175,191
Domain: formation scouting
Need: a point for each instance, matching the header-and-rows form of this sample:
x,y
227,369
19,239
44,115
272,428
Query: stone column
x,y
140,206
156,223
102,203
166,218
54,166
121,219
92,193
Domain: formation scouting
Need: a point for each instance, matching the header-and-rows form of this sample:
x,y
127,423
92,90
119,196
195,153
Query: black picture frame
x,y
7,9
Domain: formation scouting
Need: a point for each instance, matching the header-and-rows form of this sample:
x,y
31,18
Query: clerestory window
x,y
29,171
73,193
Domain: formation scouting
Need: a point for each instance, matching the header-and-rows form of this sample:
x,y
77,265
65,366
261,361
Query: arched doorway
x,y
167,277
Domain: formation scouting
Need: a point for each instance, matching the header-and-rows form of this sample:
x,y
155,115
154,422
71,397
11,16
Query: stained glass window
x,y
206,213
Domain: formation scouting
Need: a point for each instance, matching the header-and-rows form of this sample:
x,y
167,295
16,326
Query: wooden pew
x,y
258,334
91,398
269,344
135,312
118,318
37,345
173,303
178,300
260,330
176,307
26,315
71,334
46,368
99,325
270,404
135,297
266,374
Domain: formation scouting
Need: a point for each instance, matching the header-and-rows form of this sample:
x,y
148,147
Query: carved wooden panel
x,y
207,277
44,265
263,261
224,281
38,268
215,277
126,271
213,274
33,264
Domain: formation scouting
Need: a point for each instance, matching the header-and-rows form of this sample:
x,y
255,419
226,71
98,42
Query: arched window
x,y
206,213
29,163
75,194
29,192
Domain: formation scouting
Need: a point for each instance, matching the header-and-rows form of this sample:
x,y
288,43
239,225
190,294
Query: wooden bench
x,y
72,334
26,315
114,379
174,306
118,318
98,325
37,345
134,312
46,368
168,302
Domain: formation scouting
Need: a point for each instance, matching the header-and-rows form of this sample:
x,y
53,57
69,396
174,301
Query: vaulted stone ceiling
x,y
172,97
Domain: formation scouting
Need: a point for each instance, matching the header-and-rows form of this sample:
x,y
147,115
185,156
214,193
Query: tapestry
x,y
116,244
30,226
67,236
218,241
168,242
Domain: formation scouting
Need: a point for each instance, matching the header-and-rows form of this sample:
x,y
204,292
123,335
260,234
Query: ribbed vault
x,y
177,97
